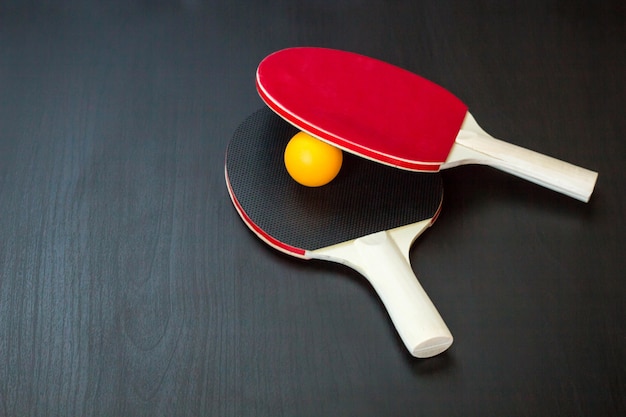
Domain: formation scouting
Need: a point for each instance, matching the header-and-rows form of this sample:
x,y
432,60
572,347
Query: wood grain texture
x,y
129,286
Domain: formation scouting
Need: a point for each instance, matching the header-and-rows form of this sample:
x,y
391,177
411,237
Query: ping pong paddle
x,y
390,115
366,218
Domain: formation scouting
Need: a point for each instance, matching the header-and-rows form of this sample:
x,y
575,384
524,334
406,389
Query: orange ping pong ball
x,y
310,161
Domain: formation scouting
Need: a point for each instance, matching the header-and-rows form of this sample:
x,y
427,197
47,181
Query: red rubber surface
x,y
363,105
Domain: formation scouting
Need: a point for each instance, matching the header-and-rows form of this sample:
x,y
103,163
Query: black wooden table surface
x,y
130,287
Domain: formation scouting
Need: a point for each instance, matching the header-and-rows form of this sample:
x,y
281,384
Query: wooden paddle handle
x,y
383,259
474,145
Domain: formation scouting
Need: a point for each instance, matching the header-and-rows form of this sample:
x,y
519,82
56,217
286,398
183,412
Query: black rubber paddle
x,y
366,218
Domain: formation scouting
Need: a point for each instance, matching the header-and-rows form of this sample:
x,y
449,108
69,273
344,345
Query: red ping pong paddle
x,y
366,218
390,115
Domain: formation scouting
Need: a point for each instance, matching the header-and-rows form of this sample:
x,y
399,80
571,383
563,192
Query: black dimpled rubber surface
x,y
364,198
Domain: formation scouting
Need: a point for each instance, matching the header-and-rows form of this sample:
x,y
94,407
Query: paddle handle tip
x,y
431,347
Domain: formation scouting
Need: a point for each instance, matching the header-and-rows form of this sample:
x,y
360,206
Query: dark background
x,y
130,287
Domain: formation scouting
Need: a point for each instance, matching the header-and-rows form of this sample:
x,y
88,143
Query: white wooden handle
x,y
475,146
381,259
